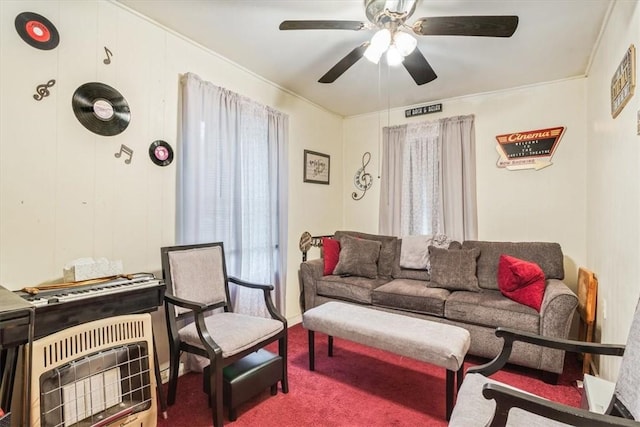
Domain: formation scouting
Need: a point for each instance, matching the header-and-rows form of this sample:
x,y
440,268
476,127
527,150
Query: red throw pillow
x,y
521,281
331,250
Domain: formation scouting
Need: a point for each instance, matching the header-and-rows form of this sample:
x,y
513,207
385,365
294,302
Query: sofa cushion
x,y
330,254
411,295
387,249
353,288
454,269
491,308
358,257
547,255
521,281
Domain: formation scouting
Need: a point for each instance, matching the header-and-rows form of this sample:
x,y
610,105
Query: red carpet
x,y
358,386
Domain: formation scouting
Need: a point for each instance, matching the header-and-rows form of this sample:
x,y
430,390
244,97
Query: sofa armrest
x,y
556,314
310,272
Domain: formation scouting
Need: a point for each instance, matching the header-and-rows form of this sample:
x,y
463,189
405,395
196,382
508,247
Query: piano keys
x,y
58,309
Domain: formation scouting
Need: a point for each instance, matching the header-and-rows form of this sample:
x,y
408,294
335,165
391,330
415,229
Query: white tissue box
x,y
87,269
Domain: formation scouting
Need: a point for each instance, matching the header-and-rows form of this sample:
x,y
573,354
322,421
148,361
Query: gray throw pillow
x,y
358,257
454,270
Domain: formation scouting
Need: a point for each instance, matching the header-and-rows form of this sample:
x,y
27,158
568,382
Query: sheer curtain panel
x,y
231,185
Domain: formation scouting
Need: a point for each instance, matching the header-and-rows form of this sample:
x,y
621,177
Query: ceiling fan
x,y
393,36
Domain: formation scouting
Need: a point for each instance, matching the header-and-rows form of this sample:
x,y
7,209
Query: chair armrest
x,y
250,285
507,398
512,335
266,291
181,302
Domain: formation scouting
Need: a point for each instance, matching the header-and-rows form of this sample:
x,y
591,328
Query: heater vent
x,y
71,346
96,374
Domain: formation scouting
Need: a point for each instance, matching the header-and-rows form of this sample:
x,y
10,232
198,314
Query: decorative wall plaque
x,y
530,149
623,82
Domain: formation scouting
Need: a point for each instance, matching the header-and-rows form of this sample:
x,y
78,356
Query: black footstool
x,y
247,378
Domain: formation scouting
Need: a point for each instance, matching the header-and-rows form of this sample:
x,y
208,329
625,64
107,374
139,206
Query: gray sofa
x,y
410,292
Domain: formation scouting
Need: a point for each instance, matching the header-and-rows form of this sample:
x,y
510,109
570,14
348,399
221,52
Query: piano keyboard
x,y
115,286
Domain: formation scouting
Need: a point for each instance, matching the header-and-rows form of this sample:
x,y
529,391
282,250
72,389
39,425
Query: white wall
x,y
527,205
63,194
613,184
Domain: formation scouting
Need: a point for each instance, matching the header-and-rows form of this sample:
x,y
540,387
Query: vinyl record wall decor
x,y
101,109
37,31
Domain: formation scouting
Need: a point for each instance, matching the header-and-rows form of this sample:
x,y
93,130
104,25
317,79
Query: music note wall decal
x,y
107,60
43,90
362,180
126,150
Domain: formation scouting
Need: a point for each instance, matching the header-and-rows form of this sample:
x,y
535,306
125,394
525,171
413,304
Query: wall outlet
x,y
164,374
604,308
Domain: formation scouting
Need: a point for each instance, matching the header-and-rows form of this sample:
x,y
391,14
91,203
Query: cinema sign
x,y
532,149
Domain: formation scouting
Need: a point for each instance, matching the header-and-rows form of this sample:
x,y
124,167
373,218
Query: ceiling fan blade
x,y
322,25
484,26
344,64
417,65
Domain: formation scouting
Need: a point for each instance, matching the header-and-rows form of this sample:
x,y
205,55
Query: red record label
x,y
38,31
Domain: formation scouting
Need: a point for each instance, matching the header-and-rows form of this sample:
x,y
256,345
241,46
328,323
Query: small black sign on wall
x,y
425,109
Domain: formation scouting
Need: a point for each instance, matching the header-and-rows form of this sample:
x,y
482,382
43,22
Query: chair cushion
x,y
472,409
628,383
358,257
198,275
233,332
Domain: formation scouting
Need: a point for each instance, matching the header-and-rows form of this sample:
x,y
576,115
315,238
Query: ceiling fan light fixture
x,y
405,43
379,44
394,57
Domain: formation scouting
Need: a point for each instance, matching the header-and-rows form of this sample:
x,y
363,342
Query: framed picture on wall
x,y
316,167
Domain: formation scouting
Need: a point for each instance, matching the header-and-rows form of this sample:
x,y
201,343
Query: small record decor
x,y
101,109
37,31
161,153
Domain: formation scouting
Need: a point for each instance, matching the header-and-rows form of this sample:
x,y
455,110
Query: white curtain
x,y
458,177
232,180
428,179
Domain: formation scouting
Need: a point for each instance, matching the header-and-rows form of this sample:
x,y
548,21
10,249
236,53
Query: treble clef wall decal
x,y
43,90
363,179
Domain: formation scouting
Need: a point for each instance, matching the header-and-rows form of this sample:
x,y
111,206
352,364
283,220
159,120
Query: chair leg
x,y
215,398
282,348
174,364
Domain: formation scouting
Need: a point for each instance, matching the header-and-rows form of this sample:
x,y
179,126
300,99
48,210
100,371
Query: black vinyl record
x,y
37,30
161,153
101,109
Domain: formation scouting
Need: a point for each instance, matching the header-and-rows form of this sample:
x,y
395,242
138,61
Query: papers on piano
x,y
89,268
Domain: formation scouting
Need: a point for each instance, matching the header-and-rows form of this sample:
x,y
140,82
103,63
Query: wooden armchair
x,y
200,318
485,402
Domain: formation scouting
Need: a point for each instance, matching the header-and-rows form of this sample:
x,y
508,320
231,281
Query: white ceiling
x,y
554,40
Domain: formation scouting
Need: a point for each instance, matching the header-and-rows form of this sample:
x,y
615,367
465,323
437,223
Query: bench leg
x,y
460,376
312,362
450,375
330,346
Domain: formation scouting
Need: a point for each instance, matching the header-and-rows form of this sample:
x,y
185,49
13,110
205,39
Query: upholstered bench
x,y
247,378
436,343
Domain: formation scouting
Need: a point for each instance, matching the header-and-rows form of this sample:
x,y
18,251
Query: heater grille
x,y
96,374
